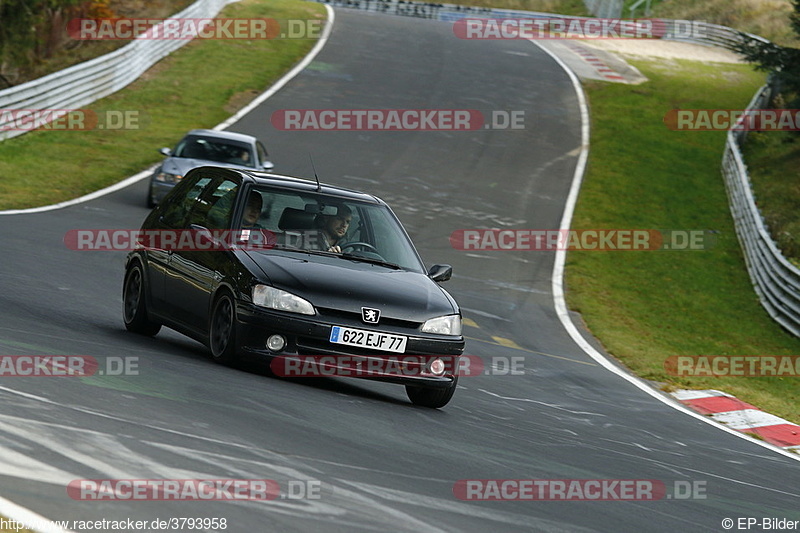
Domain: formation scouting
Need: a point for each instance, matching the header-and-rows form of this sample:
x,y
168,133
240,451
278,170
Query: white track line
x,y
278,85
28,518
558,278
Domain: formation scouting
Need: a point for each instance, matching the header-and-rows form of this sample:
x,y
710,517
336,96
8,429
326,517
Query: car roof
x,y
304,184
228,135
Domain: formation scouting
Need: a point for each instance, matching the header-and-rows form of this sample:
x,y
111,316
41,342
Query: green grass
x,y
200,85
647,306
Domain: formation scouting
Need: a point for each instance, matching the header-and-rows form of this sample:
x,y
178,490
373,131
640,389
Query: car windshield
x,y
218,150
353,230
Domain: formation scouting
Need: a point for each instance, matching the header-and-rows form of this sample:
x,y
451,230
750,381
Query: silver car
x,y
200,148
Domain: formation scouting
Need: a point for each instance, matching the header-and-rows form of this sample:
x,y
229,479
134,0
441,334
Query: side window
x,y
215,206
176,211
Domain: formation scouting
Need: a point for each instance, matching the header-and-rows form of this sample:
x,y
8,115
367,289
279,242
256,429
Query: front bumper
x,y
310,353
159,189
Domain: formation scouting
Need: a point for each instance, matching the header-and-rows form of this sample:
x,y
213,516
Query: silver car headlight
x,y
443,325
272,298
166,177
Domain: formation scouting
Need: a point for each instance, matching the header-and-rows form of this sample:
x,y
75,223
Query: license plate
x,y
368,339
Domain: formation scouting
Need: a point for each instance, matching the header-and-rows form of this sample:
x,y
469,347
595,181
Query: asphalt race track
x,y
381,463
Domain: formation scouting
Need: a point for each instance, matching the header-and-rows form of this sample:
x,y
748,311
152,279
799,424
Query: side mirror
x,y
440,272
165,152
268,165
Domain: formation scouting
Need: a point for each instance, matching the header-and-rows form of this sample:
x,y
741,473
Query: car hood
x,y
335,283
182,165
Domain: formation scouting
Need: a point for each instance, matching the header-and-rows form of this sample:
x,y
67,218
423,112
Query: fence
x,y
776,281
86,82
604,9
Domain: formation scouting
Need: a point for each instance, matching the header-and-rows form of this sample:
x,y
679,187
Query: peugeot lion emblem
x,y
370,316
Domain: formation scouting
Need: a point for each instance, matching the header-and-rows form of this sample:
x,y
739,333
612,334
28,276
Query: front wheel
x,y
134,310
428,397
222,331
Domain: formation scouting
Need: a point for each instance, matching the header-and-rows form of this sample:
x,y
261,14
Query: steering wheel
x,y
367,246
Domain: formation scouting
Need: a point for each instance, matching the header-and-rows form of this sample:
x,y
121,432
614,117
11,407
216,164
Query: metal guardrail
x,y
705,33
776,280
91,80
604,9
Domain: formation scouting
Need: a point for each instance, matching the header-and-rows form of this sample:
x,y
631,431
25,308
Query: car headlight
x,y
443,325
272,298
166,177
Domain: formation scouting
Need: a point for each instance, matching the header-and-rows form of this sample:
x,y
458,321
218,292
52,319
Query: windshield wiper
x,y
372,260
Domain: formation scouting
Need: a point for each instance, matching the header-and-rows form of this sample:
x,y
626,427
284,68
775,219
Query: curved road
x,y
382,463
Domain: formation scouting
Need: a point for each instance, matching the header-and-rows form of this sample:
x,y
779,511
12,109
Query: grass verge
x,y
197,86
647,306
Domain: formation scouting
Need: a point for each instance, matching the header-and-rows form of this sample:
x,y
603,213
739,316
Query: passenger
x,y
259,236
252,211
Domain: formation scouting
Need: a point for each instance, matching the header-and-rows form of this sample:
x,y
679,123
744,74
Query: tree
x,y
782,60
31,30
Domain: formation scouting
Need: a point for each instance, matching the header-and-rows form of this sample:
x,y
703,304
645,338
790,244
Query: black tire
x,y
222,330
134,306
429,397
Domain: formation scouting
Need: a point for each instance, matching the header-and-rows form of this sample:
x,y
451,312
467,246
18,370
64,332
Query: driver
x,y
333,228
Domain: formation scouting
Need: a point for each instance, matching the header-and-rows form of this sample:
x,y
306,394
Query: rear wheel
x,y
429,397
222,330
134,311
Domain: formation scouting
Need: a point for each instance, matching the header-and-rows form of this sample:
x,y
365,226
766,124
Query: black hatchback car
x,y
321,280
